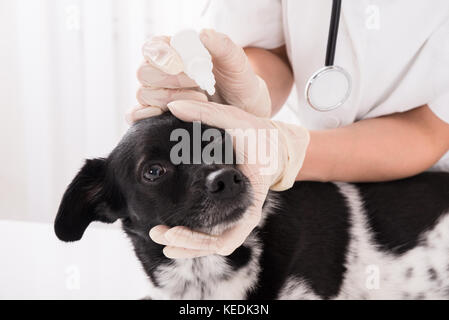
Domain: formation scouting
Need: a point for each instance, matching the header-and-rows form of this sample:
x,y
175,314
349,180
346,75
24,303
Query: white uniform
x,y
397,51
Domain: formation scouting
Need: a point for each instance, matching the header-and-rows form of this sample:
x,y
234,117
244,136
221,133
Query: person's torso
x,y
380,44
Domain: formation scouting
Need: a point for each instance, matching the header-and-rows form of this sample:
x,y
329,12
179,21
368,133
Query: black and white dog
x,y
316,241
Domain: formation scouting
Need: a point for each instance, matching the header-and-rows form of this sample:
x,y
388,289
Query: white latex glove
x,y
290,143
163,79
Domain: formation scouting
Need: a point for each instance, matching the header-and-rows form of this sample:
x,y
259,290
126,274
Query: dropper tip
x,y
211,91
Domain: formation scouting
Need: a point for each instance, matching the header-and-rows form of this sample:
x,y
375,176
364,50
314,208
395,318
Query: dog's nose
x,y
225,183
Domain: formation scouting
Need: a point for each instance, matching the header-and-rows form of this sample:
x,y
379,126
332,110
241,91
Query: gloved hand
x,y
286,143
163,79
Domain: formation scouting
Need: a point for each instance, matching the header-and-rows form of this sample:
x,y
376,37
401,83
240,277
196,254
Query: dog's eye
x,y
154,172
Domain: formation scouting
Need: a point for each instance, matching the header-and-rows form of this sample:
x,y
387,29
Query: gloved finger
x,y
150,76
228,56
159,53
219,116
212,114
226,244
236,236
157,234
181,253
143,112
182,237
161,97
237,82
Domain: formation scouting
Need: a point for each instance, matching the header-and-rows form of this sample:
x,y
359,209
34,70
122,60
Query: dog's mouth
x,y
225,221
212,218
212,215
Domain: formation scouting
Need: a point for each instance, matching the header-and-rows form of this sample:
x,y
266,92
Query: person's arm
x,y
387,148
381,149
274,67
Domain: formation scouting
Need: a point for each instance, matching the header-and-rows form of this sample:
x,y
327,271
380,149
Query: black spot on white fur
x,y
400,211
433,276
307,238
409,273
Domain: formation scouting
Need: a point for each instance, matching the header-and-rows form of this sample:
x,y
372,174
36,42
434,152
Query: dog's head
x,y
140,184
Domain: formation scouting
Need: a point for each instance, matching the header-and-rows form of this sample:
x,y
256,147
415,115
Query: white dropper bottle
x,y
197,60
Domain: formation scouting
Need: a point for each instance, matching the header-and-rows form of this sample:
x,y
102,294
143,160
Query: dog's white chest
x,y
208,278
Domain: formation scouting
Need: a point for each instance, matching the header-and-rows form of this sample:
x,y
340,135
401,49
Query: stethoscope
x,y
330,87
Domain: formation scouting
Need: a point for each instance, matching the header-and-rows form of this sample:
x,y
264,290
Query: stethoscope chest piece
x,y
328,89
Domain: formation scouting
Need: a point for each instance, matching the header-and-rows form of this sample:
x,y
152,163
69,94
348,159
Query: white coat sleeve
x,y
249,23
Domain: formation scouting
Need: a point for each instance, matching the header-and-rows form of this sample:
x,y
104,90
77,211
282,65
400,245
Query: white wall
x,y
67,77
12,160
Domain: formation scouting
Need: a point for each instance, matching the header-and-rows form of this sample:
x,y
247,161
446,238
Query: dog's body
x,y
316,241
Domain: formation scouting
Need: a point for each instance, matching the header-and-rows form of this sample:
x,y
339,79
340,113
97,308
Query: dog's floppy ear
x,y
90,197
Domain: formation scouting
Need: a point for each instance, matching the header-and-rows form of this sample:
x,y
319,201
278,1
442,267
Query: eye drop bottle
x,y
197,60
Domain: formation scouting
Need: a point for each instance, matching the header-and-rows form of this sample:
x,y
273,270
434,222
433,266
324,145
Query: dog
x,y
316,241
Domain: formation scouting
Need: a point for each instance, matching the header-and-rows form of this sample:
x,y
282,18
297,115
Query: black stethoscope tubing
x,y
333,33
